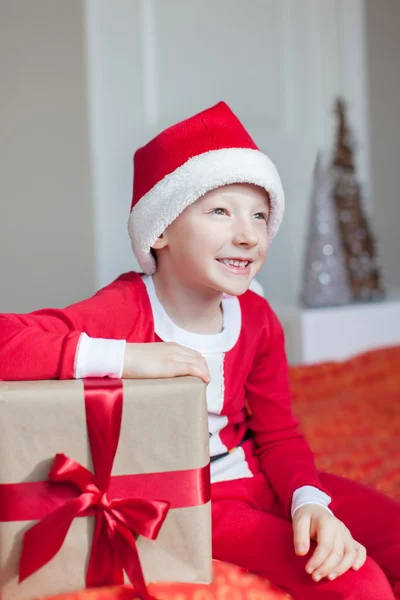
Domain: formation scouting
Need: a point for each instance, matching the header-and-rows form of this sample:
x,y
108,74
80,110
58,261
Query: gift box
x,y
101,482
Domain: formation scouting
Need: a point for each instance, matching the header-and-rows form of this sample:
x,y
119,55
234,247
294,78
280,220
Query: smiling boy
x,y
206,206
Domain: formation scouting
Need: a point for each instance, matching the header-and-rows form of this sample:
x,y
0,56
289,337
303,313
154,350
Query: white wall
x,y
65,154
150,65
46,224
383,51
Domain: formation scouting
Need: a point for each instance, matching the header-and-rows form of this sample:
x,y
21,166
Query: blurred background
x,y
85,82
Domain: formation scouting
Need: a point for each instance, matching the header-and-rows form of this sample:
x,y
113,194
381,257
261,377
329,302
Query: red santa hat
x,y
189,159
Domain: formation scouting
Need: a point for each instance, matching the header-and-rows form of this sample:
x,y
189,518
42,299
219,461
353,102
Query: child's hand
x,y
336,550
163,359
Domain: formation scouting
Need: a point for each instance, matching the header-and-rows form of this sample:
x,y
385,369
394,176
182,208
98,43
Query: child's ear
x,y
160,242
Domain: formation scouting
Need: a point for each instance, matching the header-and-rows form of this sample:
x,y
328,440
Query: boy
x,y
206,205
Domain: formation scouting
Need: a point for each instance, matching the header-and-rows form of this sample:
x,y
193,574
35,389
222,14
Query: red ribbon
x,y
118,520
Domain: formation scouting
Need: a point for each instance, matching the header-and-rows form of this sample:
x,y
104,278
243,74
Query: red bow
x,y
118,521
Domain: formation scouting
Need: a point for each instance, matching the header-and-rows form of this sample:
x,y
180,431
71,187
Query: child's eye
x,y
261,216
219,211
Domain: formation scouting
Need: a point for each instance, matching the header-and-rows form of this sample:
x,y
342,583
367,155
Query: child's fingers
x,y
350,552
360,558
301,535
330,562
184,361
326,544
196,369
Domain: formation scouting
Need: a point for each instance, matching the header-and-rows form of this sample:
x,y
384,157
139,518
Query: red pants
x,y
251,530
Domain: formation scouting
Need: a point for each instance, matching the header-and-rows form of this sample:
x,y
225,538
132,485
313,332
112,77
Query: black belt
x,y
246,437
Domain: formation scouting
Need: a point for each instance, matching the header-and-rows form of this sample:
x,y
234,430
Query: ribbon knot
x,y
67,470
118,522
104,502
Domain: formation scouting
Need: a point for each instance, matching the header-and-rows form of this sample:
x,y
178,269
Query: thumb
x,y
301,535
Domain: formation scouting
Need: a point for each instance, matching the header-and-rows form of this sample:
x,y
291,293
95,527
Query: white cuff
x,y
98,357
308,494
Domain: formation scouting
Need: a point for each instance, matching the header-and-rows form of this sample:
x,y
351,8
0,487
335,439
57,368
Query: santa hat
x,y
187,160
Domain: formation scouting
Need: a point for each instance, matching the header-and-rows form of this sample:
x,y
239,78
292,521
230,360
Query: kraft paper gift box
x,y
161,466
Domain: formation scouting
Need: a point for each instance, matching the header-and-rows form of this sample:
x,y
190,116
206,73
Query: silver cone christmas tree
x,y
325,281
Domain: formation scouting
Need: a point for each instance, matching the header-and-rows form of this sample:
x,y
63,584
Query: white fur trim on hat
x,y
176,191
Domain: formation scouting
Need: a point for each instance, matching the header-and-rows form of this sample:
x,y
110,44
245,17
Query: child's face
x,y
226,224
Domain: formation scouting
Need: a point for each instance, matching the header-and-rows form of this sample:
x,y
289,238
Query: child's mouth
x,y
240,267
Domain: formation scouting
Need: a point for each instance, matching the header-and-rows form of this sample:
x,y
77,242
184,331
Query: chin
x,y
237,291
233,284
234,289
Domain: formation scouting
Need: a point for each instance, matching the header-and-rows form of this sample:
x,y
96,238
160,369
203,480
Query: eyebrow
x,y
266,204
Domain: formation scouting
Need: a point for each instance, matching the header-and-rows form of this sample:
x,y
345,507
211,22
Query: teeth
x,y
235,263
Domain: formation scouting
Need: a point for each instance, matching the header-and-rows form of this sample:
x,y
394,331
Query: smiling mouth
x,y
231,262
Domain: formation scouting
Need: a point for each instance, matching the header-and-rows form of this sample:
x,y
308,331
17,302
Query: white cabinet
x,y
337,333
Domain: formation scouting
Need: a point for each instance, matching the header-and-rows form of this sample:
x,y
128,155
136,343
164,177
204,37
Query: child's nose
x,y
245,235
